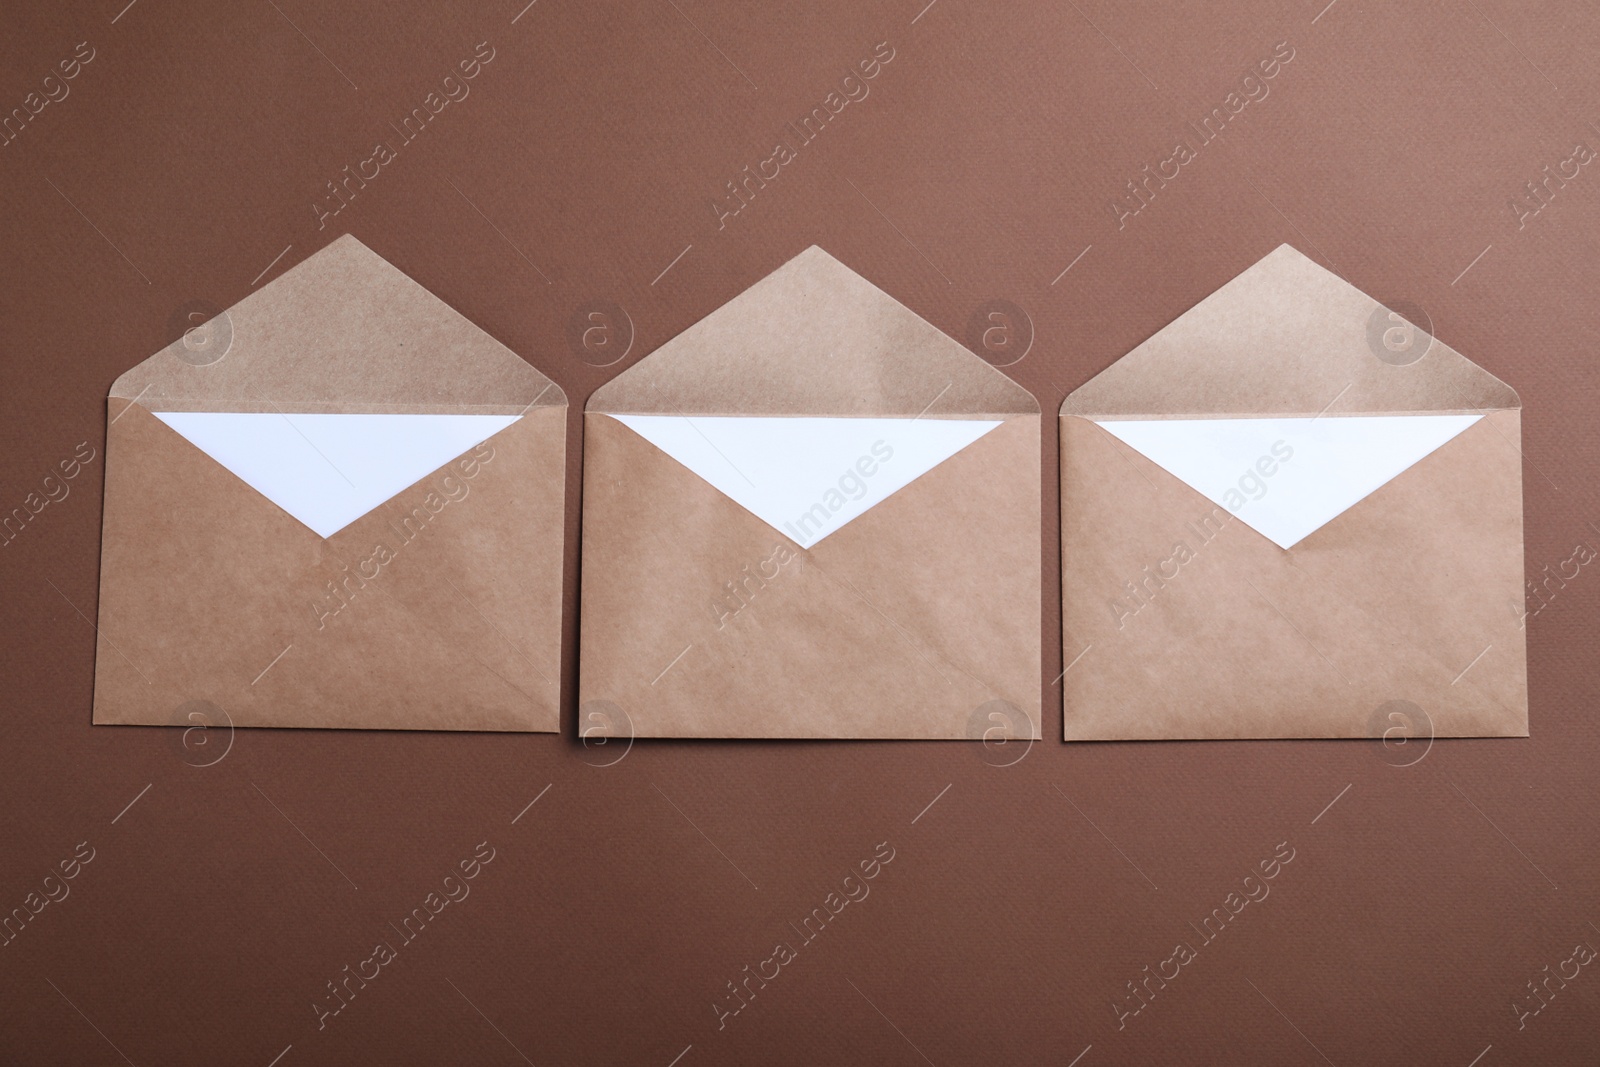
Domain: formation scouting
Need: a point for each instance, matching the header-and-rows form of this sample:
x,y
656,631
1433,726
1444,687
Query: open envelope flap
x,y
1287,338
343,332
814,338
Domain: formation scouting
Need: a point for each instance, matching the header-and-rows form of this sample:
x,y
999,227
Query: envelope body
x,y
811,515
351,516
1291,513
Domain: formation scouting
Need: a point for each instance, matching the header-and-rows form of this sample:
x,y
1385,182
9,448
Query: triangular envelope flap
x,y
807,477
813,338
1286,478
1286,337
344,331
327,470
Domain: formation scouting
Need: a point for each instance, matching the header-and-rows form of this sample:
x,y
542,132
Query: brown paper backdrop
x,y
578,175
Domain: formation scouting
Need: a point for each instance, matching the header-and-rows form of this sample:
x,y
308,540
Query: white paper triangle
x,y
329,470
807,477
1285,478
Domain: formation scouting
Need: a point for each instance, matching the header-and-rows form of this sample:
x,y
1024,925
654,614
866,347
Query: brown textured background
x,y
186,158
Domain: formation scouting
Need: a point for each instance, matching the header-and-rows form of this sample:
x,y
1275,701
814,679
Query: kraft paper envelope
x,y
352,518
811,515
1290,513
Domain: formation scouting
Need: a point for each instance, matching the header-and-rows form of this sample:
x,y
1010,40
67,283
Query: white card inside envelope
x,y
1285,478
807,477
329,470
